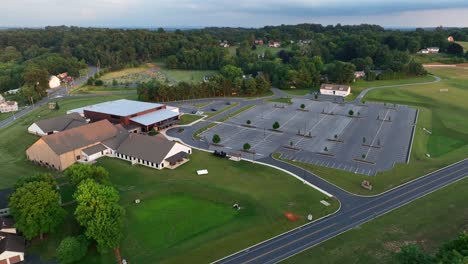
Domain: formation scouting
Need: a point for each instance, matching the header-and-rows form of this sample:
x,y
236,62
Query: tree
x,y
315,96
98,83
302,106
153,132
40,177
276,125
115,82
57,107
363,140
325,149
246,146
335,136
231,72
363,156
72,249
351,112
454,251
99,213
412,254
248,122
35,206
455,49
79,172
216,139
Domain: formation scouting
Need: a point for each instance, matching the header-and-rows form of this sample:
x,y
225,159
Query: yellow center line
x,y
412,190
292,242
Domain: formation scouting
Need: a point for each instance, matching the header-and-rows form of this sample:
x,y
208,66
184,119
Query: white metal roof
x,y
122,107
154,117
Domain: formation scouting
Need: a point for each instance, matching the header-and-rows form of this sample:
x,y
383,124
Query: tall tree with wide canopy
x,y
35,206
99,213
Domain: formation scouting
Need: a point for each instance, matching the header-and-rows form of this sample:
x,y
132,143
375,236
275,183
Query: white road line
x,y
318,122
376,134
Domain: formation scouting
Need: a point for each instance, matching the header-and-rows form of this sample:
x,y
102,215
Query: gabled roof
x,y
94,149
334,87
61,123
153,149
79,137
11,242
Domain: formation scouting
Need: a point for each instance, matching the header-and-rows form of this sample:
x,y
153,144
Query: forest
x,y
309,53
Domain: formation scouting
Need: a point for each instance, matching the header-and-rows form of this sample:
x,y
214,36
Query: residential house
x,y
259,42
433,49
359,74
56,124
335,89
8,106
54,82
13,91
224,44
274,44
12,245
450,39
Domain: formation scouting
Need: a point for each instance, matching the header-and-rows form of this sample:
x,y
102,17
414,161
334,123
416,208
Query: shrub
x,y
276,125
72,249
153,132
302,106
216,138
246,146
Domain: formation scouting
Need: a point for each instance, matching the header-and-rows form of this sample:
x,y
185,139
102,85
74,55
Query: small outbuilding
x,y
335,89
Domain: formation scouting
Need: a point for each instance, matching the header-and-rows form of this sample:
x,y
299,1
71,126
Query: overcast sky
x,y
245,13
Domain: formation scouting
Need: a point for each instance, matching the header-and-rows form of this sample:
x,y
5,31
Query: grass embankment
x,y
283,100
429,222
190,76
188,118
233,114
89,89
442,113
183,216
360,85
15,139
298,92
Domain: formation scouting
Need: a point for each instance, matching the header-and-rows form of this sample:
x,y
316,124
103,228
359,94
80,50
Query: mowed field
x,y
15,139
183,216
441,113
428,222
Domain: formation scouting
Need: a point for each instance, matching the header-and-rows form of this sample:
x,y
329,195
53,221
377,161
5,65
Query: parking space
x,y
372,139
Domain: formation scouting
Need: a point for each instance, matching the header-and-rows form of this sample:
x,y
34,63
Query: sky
x,y
233,13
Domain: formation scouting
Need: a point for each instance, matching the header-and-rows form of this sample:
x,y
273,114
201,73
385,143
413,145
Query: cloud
x,y
248,13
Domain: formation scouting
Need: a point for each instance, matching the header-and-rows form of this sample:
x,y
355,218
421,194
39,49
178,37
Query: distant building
x,y
450,39
54,82
89,142
8,106
13,91
430,50
224,44
335,89
57,124
359,74
62,75
259,42
274,44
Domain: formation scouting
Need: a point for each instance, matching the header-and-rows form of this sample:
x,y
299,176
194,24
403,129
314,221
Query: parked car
x,y
213,109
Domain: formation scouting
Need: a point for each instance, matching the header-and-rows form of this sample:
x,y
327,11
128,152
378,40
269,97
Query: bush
x,y
98,83
115,82
247,146
216,138
72,249
351,112
276,125
153,132
302,106
248,122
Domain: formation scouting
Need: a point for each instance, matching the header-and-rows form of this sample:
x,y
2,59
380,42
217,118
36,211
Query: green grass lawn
x,y
443,113
360,85
437,58
429,222
188,118
191,76
14,139
281,100
182,217
299,92
464,44
88,89
5,116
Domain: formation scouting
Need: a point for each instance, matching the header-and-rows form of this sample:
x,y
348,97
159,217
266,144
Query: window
x,y
189,151
162,165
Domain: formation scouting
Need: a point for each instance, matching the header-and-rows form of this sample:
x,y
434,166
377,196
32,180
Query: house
x,y
12,248
54,82
56,124
135,115
4,198
13,91
62,76
89,142
8,106
359,74
2,99
259,42
335,89
450,39
433,49
274,44
224,44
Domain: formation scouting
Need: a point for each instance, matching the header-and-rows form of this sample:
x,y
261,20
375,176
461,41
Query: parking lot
x,y
373,139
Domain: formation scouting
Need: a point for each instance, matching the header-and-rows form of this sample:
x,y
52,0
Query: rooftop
x,y
335,87
154,117
61,122
122,107
153,149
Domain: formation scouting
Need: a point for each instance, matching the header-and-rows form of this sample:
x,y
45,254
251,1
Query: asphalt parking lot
x,y
323,133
